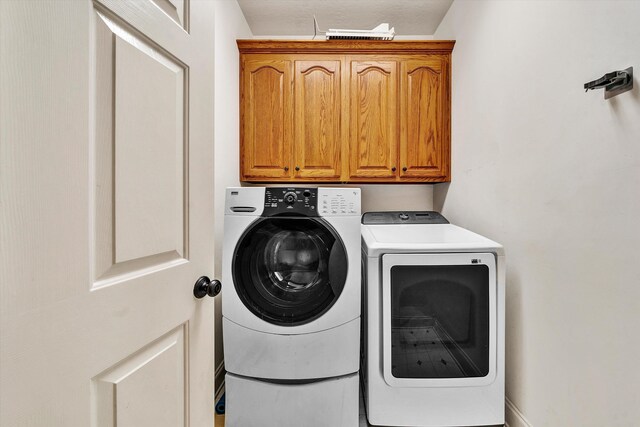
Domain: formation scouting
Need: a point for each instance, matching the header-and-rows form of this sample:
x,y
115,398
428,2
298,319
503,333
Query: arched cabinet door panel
x,y
267,118
373,112
425,112
317,117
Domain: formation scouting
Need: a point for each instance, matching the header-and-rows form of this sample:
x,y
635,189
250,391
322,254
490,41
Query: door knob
x,y
204,286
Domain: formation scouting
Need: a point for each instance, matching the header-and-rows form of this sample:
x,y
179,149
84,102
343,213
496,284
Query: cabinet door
x,y
267,118
317,104
425,112
373,136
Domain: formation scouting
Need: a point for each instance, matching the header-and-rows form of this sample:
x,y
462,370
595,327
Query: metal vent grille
x,y
381,32
358,37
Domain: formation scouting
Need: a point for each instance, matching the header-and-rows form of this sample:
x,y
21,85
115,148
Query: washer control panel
x,y
338,201
301,201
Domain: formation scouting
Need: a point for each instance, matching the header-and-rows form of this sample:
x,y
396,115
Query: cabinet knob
x,y
404,169
393,169
297,168
286,168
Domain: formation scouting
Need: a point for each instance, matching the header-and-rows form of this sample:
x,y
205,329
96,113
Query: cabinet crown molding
x,y
345,46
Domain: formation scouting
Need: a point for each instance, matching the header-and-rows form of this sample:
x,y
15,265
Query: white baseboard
x,y
514,417
219,379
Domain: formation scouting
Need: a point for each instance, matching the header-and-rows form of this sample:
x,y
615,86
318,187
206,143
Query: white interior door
x,y
106,191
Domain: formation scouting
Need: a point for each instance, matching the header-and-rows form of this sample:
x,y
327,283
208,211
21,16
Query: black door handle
x,y
205,286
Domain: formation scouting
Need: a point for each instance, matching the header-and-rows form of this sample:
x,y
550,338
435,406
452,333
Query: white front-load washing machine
x,y
433,344
291,306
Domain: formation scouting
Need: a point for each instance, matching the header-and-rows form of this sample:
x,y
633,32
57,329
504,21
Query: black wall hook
x,y
614,83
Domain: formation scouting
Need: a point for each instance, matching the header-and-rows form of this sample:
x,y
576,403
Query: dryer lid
x,y
400,238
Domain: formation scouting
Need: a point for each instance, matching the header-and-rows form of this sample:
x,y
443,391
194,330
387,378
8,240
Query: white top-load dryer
x,y
433,345
291,305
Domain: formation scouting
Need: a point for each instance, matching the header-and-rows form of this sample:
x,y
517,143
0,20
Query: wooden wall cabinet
x,y
345,111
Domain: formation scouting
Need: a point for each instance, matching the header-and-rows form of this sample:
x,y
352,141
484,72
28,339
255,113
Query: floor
x,y
362,418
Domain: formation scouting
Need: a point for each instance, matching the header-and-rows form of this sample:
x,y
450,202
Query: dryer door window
x,y
289,270
439,324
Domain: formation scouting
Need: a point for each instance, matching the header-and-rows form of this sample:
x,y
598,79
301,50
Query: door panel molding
x,y
177,10
139,159
137,391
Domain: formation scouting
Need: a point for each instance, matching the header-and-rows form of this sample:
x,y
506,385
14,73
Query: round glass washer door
x,y
289,270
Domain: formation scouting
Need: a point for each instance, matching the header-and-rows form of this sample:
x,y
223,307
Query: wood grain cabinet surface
x,y
345,111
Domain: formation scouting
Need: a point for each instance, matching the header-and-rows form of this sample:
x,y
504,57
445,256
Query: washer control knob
x,y
290,198
403,216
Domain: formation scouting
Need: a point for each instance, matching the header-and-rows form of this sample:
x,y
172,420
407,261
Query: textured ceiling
x,y
295,17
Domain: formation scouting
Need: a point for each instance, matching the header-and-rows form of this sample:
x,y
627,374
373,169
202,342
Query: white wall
x,y
396,197
229,26
553,173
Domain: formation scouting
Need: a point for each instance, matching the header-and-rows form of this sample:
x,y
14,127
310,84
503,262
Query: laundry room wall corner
x,y
230,25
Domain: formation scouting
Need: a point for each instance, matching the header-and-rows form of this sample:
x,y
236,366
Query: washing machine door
x,y
289,271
